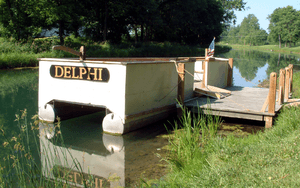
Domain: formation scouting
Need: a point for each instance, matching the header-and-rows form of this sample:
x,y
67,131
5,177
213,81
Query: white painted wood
x,y
217,73
198,70
110,94
133,87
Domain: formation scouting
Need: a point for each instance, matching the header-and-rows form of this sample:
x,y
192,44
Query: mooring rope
x,y
169,91
175,63
176,66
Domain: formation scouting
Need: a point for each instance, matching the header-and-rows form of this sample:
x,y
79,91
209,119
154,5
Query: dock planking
x,y
244,103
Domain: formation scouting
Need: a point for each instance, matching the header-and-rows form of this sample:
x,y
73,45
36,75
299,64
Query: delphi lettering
x,y
79,73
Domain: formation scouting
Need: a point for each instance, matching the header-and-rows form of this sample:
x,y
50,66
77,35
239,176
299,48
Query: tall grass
x,y
21,166
265,159
191,134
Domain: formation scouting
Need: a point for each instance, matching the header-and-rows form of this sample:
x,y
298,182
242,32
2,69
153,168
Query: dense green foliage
x,y
283,28
248,33
284,25
16,54
188,22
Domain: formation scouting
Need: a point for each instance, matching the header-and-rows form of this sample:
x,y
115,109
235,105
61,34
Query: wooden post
x,y
281,86
203,68
272,92
180,90
82,53
229,76
291,66
287,84
204,73
272,99
268,121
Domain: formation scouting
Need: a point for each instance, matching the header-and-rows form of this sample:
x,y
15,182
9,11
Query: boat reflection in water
x,y
88,156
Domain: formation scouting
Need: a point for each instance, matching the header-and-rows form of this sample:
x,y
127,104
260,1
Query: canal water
x,y
112,160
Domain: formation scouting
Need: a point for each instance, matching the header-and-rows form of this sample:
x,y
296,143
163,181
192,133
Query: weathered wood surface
x,y
244,102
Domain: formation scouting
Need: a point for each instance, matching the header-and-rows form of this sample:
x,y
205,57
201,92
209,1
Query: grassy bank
x,y
16,54
264,159
295,50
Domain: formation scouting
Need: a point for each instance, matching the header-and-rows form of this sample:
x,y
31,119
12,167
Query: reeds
x,y
28,156
265,159
191,134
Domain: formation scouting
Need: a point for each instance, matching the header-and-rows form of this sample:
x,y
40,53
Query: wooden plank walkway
x,y
244,103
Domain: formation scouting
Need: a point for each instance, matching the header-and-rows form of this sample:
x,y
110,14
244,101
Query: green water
x,y
99,154
18,91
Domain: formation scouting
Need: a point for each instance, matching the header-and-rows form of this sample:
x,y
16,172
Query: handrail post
x,y
287,84
272,100
180,90
203,68
82,53
291,66
272,92
230,72
281,86
180,94
204,73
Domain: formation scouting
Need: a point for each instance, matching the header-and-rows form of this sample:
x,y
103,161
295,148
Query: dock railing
x,y
284,92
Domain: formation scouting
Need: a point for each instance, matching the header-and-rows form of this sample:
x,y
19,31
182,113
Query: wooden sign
x,y
80,73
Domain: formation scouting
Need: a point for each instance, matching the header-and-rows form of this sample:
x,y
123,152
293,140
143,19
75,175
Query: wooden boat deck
x,y
244,103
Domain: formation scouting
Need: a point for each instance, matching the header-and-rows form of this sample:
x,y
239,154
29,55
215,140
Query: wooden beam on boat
x,y
81,54
208,93
66,49
217,89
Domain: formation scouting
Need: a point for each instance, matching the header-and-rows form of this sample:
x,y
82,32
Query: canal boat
x,y
134,92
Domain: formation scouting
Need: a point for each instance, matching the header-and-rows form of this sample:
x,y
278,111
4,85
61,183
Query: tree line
x,y
182,21
284,27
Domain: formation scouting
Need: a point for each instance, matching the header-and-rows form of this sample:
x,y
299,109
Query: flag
x,y
211,49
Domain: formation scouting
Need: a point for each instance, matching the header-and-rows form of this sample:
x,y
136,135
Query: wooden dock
x,y
244,103
260,104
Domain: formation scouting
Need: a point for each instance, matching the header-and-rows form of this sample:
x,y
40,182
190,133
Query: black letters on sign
x,y
80,73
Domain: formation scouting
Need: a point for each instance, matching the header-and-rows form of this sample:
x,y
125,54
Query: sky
x,y
262,8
